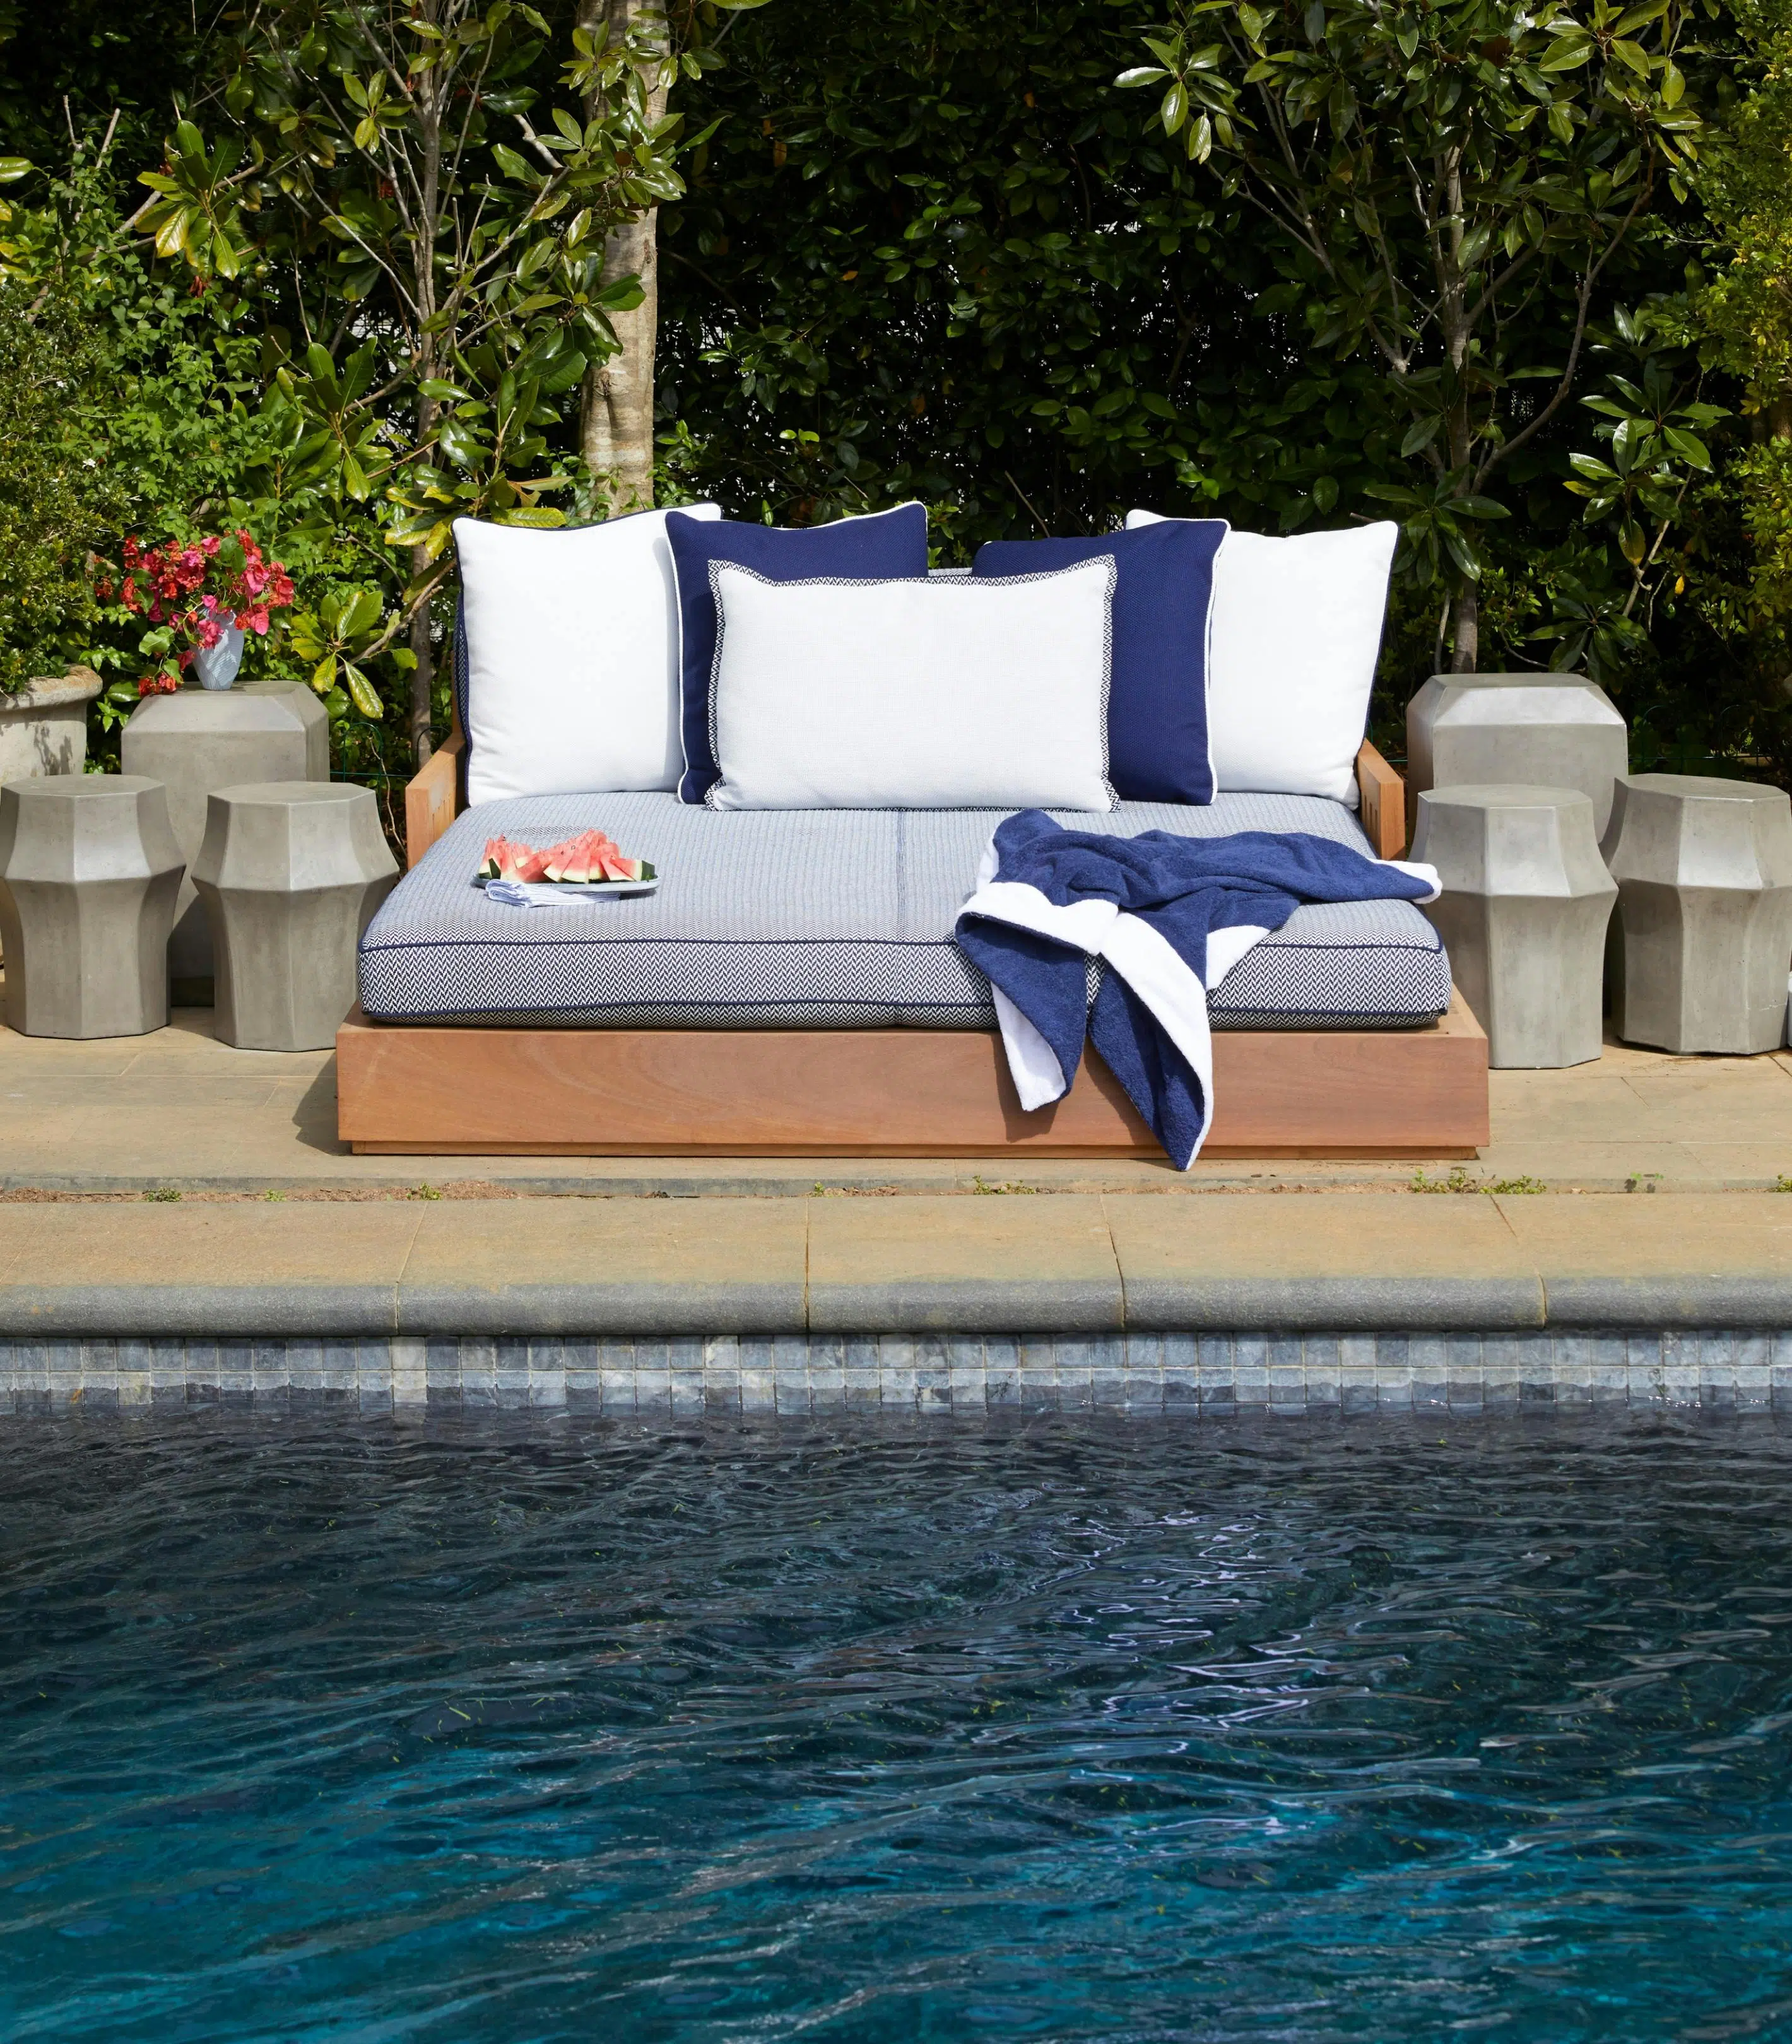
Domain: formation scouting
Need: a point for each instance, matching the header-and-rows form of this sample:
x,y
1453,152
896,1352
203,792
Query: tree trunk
x,y
616,413
1465,631
429,131
423,674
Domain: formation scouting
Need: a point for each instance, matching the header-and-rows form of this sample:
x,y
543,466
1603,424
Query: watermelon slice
x,y
591,855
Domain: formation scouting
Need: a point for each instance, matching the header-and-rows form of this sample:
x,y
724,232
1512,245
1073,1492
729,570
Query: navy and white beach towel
x,y
1169,917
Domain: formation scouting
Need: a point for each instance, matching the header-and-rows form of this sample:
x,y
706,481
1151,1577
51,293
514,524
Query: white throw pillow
x,y
1297,630
572,656
983,692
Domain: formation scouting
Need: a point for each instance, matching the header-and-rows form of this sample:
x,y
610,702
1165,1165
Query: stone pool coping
x,y
1069,1267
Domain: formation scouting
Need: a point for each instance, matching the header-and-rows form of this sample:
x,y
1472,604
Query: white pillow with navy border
x,y
935,693
1295,632
572,656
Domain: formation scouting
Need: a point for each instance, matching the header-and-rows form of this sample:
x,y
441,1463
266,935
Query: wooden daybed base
x,y
424,1089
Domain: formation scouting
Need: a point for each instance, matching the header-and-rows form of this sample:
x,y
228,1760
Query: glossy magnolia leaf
x,y
362,693
323,675
1142,74
1421,433
1688,445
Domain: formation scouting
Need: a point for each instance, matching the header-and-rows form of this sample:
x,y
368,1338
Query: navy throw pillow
x,y
881,546
1157,701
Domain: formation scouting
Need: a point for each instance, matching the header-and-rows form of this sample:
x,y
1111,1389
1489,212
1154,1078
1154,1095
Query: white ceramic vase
x,y
216,666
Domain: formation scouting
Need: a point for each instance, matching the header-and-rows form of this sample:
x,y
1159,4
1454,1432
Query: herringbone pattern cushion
x,y
829,919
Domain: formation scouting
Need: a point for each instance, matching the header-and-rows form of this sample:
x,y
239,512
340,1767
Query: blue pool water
x,y
493,1730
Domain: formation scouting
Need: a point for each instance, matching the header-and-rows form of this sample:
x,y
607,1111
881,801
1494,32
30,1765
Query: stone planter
x,y
44,728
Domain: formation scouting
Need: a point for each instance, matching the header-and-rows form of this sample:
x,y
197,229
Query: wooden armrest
x,y
432,797
1384,803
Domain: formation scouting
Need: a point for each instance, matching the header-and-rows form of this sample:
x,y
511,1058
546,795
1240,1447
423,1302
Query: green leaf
x,y
1462,553
1688,445
1421,433
1142,74
362,693
1174,111
1570,53
323,675
13,168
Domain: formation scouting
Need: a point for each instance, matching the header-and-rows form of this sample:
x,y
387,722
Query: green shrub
x,y
51,486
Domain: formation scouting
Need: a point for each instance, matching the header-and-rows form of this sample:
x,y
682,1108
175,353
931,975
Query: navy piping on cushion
x,y
461,675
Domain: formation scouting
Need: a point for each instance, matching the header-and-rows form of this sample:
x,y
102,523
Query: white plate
x,y
589,890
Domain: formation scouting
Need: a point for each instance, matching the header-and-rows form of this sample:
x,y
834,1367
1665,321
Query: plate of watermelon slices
x,y
590,863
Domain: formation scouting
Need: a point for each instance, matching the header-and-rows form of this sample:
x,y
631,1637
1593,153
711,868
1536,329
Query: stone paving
x,y
179,1110
178,1225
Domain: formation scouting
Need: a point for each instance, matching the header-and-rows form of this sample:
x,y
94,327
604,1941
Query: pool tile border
x,y
1210,1374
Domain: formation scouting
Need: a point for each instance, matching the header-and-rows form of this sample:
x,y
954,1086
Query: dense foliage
x,y
1520,281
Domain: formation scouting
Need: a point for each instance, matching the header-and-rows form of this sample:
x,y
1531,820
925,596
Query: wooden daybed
x,y
426,1088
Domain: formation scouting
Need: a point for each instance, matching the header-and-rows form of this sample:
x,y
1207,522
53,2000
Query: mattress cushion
x,y
831,918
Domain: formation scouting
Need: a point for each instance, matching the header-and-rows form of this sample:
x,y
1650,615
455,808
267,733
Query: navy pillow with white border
x,y
879,546
1159,750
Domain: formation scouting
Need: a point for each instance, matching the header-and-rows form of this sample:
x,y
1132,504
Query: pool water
x,y
496,1729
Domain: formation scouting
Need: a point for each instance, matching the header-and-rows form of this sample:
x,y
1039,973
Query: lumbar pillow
x,y
1296,630
883,544
976,692
1157,708
571,642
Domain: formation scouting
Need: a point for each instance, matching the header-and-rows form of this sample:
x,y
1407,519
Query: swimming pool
x,y
520,1729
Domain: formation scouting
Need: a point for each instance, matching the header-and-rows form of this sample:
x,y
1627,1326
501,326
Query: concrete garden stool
x,y
1523,916
1703,933
198,739
1553,731
89,872
290,873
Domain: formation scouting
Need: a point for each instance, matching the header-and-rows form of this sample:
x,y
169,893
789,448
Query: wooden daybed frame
x,y
425,1089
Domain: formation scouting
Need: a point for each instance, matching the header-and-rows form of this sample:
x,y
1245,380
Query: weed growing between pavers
x,y
1459,1182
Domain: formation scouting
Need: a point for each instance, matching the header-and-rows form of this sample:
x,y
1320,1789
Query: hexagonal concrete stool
x,y
1551,730
290,873
198,739
1523,914
89,872
1703,934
